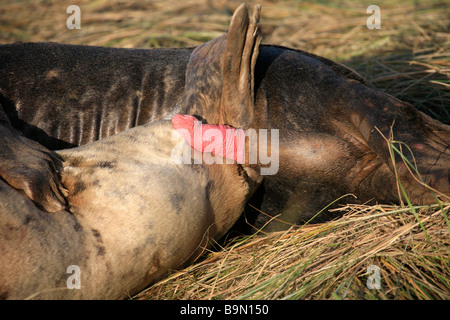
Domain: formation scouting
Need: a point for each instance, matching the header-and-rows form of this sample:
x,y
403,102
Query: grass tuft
x,y
328,260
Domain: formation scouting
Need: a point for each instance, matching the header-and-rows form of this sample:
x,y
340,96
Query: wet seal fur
x,y
331,120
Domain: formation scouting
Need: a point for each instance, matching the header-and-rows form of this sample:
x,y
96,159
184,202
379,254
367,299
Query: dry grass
x,y
327,261
408,58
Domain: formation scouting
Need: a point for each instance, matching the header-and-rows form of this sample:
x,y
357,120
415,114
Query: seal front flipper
x,y
220,73
28,166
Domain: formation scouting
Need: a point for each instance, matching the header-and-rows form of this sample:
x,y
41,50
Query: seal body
x,y
333,125
134,215
137,205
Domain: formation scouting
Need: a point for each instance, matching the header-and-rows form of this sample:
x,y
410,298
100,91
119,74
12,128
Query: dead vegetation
x,y
327,261
408,58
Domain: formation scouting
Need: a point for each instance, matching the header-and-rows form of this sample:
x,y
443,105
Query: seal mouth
x,y
222,140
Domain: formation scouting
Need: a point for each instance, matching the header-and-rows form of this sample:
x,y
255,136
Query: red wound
x,y
221,140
